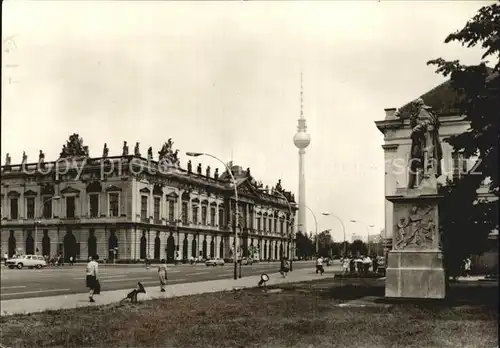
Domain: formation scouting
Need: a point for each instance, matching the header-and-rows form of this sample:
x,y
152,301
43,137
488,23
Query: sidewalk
x,y
40,304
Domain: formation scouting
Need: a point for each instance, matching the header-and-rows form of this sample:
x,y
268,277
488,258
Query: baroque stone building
x,y
130,207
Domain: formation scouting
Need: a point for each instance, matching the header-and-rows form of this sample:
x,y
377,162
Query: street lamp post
x,y
367,233
290,223
316,224
55,198
196,154
343,229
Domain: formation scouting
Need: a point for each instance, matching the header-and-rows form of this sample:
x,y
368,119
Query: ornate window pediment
x,y
204,202
13,194
47,190
145,190
213,204
30,193
113,188
173,195
94,187
185,196
70,190
158,190
196,200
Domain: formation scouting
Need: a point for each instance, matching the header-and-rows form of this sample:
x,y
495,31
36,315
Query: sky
x,y
224,78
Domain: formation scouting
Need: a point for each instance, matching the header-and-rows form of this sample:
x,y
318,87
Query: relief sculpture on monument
x,y
415,227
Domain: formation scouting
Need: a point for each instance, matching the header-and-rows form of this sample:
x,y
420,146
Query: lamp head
x,y
326,213
352,220
194,154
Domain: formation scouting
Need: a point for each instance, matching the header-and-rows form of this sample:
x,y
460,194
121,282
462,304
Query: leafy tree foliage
x,y
466,218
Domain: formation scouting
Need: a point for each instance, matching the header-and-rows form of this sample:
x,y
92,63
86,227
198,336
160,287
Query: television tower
x,y
301,141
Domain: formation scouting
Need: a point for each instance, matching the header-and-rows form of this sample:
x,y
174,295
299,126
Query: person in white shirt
x,y
319,266
92,272
366,264
345,265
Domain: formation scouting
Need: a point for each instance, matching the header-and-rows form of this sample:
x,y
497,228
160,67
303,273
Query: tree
x,y
304,245
325,242
466,218
358,247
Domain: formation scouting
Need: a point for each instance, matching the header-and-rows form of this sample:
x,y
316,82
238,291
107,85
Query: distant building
x,y
358,237
130,207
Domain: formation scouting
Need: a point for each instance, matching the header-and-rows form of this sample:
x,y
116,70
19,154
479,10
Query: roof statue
x,y
279,188
167,154
207,171
125,149
105,151
41,157
74,147
25,158
8,160
190,166
150,153
137,152
216,174
198,169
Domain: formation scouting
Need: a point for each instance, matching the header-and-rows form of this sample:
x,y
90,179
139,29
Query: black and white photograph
x,y
249,173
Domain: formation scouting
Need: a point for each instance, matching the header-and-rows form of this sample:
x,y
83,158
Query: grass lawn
x,y
302,315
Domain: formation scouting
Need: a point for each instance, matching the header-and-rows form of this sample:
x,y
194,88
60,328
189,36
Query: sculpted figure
x,y
278,186
7,160
248,172
150,153
125,149
198,169
25,157
64,152
105,151
190,166
41,157
426,152
137,152
216,174
208,171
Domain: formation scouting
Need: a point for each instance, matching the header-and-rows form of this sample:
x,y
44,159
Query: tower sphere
x,y
301,140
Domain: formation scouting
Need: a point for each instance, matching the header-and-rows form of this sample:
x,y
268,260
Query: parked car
x,y
30,261
214,262
246,261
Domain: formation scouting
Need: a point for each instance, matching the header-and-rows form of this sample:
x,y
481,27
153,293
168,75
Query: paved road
x,y
25,283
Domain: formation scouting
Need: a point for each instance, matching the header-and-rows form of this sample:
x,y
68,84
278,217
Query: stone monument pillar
x,y
415,264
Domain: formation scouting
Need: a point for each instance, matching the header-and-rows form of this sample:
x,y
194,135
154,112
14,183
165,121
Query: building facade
x,y
129,207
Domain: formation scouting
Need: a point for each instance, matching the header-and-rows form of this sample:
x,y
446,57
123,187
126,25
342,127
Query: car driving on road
x,y
30,261
214,262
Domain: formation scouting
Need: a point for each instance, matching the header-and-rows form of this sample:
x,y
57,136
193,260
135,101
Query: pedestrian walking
x,y
71,261
162,274
319,266
92,280
285,268
467,267
366,265
375,263
345,265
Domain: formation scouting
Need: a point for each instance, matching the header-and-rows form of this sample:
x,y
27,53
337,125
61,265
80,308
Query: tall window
x,y
114,199
281,226
275,225
195,214
171,211
30,207
204,215
258,224
144,207
14,208
185,213
459,165
47,207
212,216
94,205
221,218
70,207
157,208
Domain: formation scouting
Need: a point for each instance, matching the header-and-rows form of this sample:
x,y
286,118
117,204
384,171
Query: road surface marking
x,y
168,281
12,287
123,280
198,273
33,292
